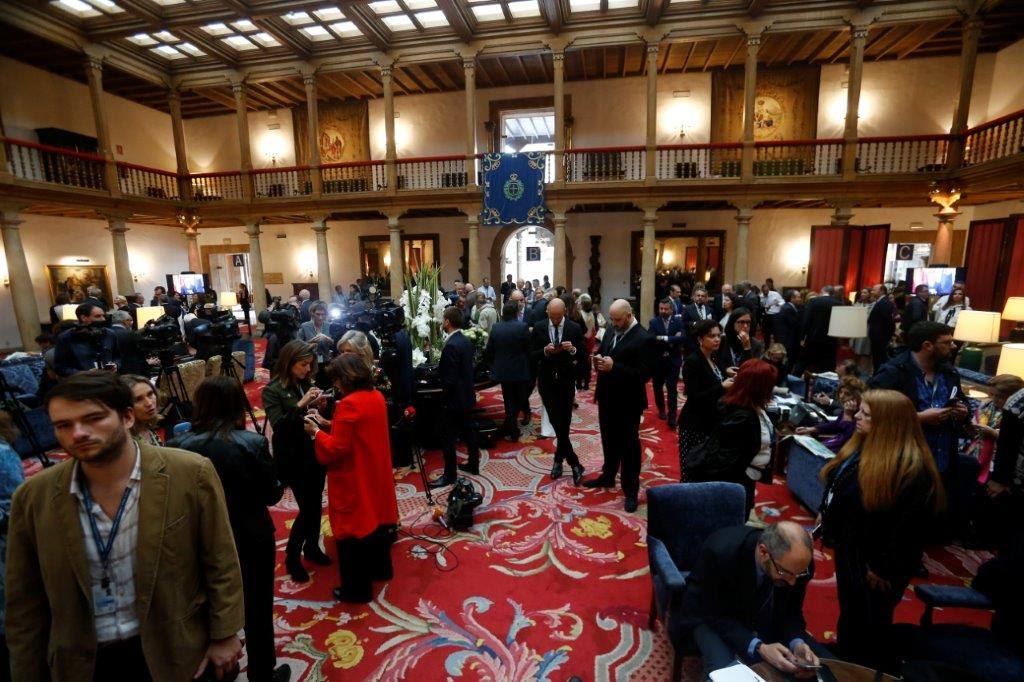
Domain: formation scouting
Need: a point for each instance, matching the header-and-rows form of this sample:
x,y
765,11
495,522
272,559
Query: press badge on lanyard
x,y
103,601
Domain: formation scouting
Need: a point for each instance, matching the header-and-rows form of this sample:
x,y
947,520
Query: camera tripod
x,y
12,406
229,368
175,387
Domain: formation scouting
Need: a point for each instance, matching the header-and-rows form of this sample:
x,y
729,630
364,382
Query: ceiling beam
x,y
219,98
755,7
222,54
425,77
655,8
411,74
689,53
732,55
283,36
711,54
331,88
371,29
142,12
922,35
344,78
456,20
552,14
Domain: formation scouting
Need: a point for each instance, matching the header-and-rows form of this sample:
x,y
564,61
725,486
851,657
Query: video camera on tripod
x,y
283,321
216,334
159,337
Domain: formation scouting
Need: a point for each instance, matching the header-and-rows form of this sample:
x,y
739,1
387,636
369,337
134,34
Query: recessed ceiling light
x,y
167,51
315,33
77,7
192,49
244,25
239,43
622,4
420,4
584,5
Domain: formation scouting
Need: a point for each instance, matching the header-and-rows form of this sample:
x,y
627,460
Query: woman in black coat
x,y
738,342
882,494
703,384
243,464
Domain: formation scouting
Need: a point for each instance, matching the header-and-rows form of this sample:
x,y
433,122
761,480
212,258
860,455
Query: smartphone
x,y
807,666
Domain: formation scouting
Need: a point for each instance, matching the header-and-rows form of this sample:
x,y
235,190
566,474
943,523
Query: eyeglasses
x,y
746,322
784,573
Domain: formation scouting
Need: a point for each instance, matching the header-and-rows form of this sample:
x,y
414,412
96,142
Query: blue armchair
x,y
680,516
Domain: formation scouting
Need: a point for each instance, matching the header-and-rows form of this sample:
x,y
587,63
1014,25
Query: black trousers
x,y
666,376
458,423
865,615
879,352
557,397
620,441
364,560
308,487
122,660
516,396
256,558
819,355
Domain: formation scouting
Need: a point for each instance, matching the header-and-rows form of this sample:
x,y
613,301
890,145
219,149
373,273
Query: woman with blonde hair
x,y
356,342
882,492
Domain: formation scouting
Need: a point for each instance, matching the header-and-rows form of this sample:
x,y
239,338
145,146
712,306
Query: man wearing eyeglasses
x,y
746,599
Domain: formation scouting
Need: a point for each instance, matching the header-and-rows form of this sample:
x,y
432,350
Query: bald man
x,y
747,594
556,344
623,370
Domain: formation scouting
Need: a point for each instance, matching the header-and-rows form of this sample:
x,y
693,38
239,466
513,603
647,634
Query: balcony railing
x,y
605,164
142,181
437,172
277,183
217,186
914,154
995,139
41,163
359,176
798,158
693,161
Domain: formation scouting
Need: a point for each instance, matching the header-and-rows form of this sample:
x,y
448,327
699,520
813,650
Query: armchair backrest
x,y
683,515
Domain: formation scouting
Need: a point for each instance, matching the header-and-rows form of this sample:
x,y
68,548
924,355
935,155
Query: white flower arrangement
x,y
424,305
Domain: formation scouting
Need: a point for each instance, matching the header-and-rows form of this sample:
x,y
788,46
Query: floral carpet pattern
x,y
550,584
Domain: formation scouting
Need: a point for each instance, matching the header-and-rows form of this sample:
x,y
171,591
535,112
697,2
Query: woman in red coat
x,y
360,485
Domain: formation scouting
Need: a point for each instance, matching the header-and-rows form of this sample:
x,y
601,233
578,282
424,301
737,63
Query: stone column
x,y
645,309
968,59
749,96
323,259
744,213
650,165
397,257
469,69
26,312
858,39
180,155
560,271
558,60
242,121
942,249
390,154
312,134
473,223
258,286
94,74
195,263
122,262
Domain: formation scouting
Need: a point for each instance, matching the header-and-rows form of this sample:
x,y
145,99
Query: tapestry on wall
x,y
514,189
785,104
343,136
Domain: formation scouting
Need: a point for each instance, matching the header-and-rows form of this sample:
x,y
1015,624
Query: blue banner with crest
x,y
514,189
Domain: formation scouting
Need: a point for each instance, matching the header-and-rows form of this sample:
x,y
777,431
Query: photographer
x,y
90,344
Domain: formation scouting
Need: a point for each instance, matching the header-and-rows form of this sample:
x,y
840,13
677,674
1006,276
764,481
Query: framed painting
x,y
73,281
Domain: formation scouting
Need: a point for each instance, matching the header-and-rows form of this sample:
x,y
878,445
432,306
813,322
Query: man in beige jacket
x,y
120,561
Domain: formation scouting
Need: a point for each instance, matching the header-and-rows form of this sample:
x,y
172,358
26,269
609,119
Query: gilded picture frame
x,y
72,279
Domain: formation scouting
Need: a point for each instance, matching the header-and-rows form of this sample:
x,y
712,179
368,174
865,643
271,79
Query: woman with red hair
x,y
745,434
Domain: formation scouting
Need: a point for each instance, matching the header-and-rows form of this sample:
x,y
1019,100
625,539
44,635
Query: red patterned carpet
x,y
550,584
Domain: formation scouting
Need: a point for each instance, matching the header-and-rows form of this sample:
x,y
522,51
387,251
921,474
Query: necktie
x,y
701,310
556,334
615,341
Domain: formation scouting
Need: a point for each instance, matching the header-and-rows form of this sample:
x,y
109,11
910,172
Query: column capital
x,y
842,215
174,96
653,47
253,228
469,63
753,39
385,70
116,221
238,87
319,221
309,79
558,56
10,215
94,61
859,31
650,213
558,218
188,219
190,233
973,22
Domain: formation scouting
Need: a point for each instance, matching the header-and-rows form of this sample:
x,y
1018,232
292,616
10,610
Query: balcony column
x,y
5,173
744,214
26,312
559,269
239,89
313,134
94,73
473,225
122,262
390,155
968,59
257,285
650,164
646,304
942,249
397,257
191,234
323,259
749,97
858,38
469,69
180,155
558,60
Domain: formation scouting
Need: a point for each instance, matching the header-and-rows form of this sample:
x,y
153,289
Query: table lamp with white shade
x,y
975,326
848,322
227,299
148,313
67,313
1014,310
1011,360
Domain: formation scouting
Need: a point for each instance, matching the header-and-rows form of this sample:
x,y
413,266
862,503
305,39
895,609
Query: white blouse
x,y
764,455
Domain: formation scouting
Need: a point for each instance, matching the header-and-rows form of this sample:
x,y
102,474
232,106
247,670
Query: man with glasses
x,y
746,598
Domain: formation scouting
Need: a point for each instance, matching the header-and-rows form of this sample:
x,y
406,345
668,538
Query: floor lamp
x,y
975,326
1011,360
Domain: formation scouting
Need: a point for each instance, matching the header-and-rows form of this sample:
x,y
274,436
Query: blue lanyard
x,y
104,549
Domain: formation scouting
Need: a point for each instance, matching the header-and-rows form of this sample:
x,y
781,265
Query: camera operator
x,y
90,344
133,359
280,322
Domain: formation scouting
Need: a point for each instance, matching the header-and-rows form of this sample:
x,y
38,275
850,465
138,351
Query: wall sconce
x,y
387,259
7,282
137,275
273,147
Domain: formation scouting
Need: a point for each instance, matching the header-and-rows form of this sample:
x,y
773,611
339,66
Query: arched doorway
x,y
510,242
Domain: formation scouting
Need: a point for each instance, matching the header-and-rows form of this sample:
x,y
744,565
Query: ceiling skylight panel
x,y
521,9
166,36
265,39
142,39
107,6
584,5
432,19
329,14
165,3
239,43
398,22
385,6
420,4
316,33
192,50
623,4
490,12
345,29
168,52
297,18
244,25
217,29
78,8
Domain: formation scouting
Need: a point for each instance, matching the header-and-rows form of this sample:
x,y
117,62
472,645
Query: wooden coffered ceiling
x,y
277,35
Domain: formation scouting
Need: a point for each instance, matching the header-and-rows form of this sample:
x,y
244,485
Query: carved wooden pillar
x,y
238,89
122,263
749,97
595,268
94,74
390,153
469,69
858,39
652,112
968,60
180,154
257,285
397,257
646,304
558,60
313,134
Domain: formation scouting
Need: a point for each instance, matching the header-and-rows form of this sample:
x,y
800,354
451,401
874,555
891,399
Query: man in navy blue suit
x,y
669,336
699,310
459,397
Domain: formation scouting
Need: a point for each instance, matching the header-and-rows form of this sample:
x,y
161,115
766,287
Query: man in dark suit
x,y
881,325
716,302
508,355
676,296
459,396
507,287
819,349
304,304
786,325
623,369
694,313
916,309
539,306
555,344
746,596
750,299
669,335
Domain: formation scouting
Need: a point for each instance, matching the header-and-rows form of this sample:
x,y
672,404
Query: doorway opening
x,y
690,256
528,130
227,271
529,254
